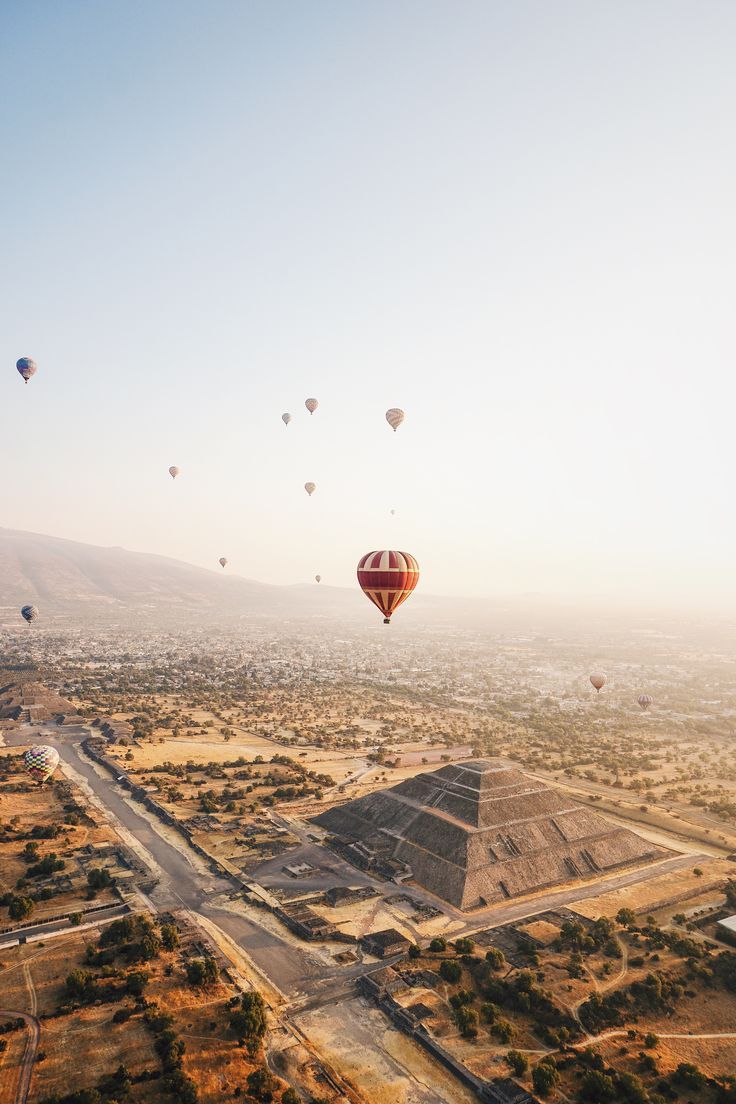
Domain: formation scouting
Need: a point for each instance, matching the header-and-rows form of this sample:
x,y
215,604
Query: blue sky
x,y
514,220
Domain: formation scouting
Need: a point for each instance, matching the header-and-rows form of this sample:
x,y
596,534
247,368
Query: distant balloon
x,y
598,681
26,367
395,417
30,613
310,488
645,701
223,561
174,471
286,418
392,512
41,761
318,578
388,578
311,405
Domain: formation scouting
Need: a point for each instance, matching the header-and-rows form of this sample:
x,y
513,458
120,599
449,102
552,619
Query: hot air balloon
x,y
310,488
388,578
223,561
598,681
645,701
318,578
30,613
174,471
26,367
41,761
395,417
392,512
311,405
286,418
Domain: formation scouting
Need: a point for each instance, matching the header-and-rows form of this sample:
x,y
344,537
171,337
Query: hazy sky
x,y
516,220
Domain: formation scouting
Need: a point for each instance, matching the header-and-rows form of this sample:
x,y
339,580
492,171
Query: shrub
x,y
450,971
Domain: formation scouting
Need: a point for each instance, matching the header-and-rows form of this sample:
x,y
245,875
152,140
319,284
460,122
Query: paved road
x,y
290,967
29,1053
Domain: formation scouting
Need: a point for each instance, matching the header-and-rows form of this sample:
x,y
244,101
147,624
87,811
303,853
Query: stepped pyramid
x,y
480,832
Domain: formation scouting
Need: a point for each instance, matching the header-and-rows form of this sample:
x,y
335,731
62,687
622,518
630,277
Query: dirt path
x,y
29,1053
594,1039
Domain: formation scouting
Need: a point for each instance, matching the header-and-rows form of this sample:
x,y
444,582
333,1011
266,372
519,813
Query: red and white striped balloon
x,y
388,578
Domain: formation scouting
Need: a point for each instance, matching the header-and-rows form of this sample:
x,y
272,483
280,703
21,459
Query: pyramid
x,y
480,832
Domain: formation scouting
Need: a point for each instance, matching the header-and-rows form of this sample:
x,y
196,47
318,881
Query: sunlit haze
x,y
513,220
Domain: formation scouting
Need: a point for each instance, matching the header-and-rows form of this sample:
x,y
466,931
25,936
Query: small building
x,y
380,982
726,929
299,870
346,895
385,943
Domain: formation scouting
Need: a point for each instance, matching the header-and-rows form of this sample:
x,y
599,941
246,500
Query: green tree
x,y
496,958
202,972
690,1076
169,937
544,1078
438,944
261,1084
464,946
626,917
290,1096
597,1087
519,1062
20,908
249,1021
450,970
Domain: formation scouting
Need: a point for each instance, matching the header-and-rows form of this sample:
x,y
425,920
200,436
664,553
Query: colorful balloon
x,y
174,471
310,488
26,367
388,578
311,405
223,561
598,681
286,418
318,578
645,701
395,417
30,613
41,761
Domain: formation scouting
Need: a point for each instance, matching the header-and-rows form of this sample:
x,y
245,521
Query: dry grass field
x,y
80,1047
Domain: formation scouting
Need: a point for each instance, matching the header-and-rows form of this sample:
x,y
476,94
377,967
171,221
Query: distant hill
x,y
85,582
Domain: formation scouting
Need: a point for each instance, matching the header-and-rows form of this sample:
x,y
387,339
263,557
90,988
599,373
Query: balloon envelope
x,y
598,680
387,578
318,578
30,613
26,367
645,701
311,405
310,488
41,761
174,471
395,417
286,418
223,561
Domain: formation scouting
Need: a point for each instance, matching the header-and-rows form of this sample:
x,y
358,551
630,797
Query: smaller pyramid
x,y
480,832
